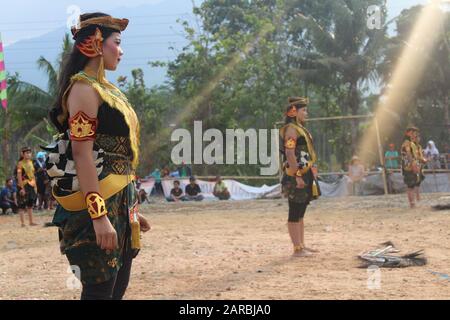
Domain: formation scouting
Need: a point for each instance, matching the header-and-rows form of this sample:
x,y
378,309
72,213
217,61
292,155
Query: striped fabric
x,y
3,97
61,166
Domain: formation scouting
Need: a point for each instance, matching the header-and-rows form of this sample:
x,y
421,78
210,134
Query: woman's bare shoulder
x,y
83,97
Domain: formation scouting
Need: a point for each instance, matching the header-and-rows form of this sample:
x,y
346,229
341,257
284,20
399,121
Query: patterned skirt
x,y
294,194
78,241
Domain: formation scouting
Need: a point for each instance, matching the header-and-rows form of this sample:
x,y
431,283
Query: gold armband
x,y
290,143
291,172
95,205
82,127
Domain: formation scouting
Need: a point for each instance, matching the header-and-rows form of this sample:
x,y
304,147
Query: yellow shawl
x,y
115,99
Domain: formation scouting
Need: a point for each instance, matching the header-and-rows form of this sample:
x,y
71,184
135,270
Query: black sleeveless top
x,y
113,138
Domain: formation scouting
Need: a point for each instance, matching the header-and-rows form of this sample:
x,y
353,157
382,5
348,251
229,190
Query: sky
x,y
46,15
22,21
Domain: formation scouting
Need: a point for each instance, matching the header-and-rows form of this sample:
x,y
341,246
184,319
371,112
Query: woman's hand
x,y
300,182
315,172
145,225
105,233
22,192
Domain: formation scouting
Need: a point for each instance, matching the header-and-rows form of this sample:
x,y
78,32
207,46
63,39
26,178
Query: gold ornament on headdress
x,y
93,47
292,112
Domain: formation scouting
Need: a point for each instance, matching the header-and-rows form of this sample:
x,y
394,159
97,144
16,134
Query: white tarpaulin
x,y
238,191
338,186
147,185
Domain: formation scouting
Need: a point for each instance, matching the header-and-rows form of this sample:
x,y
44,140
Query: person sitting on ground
x,y
176,194
221,190
143,196
8,197
193,191
356,173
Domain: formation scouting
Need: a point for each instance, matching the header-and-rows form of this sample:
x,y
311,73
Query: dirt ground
x,y
241,250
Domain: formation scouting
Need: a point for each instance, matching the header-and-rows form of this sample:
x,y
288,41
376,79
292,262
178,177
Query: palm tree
x,y
336,49
432,91
29,106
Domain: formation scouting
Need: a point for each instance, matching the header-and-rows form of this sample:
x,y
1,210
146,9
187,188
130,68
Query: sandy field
x,y
241,250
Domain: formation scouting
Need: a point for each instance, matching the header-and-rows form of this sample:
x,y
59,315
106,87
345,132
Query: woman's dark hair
x,y
289,119
73,63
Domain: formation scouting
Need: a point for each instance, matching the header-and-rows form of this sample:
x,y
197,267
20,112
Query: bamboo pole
x,y
277,144
380,154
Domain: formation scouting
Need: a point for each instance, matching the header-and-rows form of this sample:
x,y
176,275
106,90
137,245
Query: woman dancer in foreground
x,y
99,225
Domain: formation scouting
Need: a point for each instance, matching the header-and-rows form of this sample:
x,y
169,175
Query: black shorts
x,y
411,179
296,211
28,199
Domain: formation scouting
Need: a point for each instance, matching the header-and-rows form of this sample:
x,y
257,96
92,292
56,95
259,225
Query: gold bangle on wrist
x,y
291,173
96,205
299,173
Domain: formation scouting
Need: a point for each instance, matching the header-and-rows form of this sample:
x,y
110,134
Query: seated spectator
x,y
8,197
143,196
176,194
193,192
221,190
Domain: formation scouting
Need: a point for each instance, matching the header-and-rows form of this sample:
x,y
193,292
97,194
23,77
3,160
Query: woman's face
x,y
302,114
112,52
27,155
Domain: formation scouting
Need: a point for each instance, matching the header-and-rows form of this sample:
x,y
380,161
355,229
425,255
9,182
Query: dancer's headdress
x,y
92,46
295,103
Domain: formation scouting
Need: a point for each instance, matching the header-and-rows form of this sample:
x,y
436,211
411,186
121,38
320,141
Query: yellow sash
x,y
109,186
303,132
115,99
27,166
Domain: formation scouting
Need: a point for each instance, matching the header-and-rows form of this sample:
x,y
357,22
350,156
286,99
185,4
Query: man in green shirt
x,y
391,157
221,190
